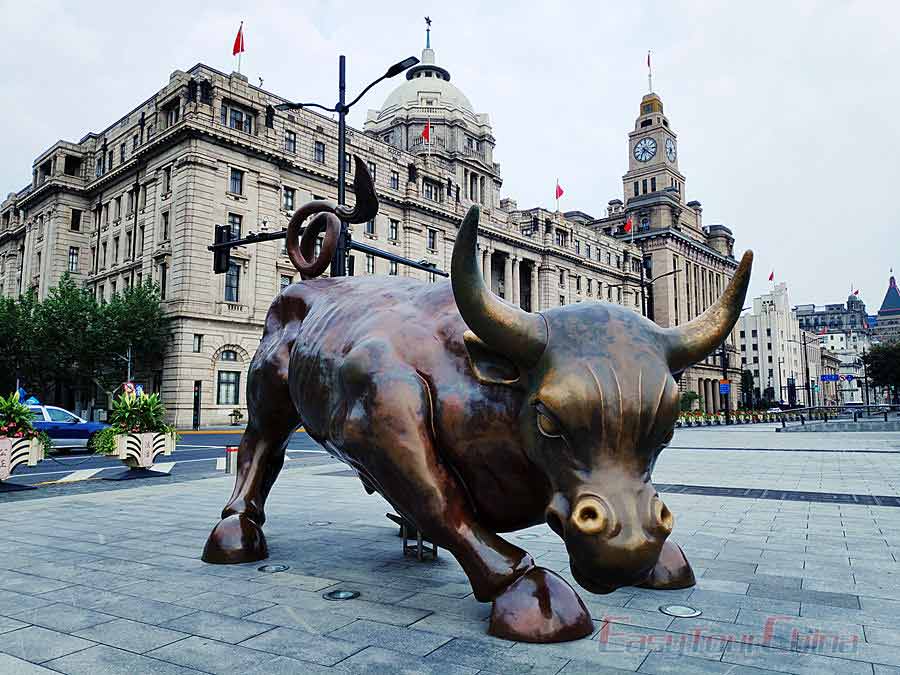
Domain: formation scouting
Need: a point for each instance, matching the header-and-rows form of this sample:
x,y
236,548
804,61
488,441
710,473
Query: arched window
x,y
228,355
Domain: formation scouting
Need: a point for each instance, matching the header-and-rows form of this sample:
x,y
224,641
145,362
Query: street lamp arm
x,y
296,106
363,93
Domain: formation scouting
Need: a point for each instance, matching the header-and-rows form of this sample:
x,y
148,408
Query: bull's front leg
x,y
672,570
387,433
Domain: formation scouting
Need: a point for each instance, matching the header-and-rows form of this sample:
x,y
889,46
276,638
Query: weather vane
x,y
427,32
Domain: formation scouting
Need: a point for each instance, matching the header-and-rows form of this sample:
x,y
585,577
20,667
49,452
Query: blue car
x,y
65,429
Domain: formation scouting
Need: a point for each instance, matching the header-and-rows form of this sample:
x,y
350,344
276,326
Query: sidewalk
x,y
111,582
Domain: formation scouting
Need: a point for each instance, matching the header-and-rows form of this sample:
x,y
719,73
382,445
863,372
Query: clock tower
x,y
653,186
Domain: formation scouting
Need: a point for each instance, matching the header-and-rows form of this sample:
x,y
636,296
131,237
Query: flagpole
x,y
556,193
241,50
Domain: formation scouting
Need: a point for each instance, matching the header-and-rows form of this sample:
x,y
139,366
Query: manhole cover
x,y
273,568
680,611
340,595
320,523
528,535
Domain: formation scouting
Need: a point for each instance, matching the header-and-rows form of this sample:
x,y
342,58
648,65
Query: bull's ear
x,y
489,366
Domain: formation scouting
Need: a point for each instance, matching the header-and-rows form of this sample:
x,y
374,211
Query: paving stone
x,y
224,603
304,646
217,626
37,644
103,660
818,597
311,621
660,663
588,668
132,636
12,602
468,607
792,662
400,639
11,664
211,656
282,665
7,624
64,618
494,656
379,661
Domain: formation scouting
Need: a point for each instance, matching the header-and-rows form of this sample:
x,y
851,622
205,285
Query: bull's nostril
x,y
663,518
589,516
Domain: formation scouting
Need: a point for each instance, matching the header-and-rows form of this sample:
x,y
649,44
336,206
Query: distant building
x,y
887,326
770,344
831,365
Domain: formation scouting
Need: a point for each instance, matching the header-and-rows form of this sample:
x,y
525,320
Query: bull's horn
x,y
697,339
510,330
366,205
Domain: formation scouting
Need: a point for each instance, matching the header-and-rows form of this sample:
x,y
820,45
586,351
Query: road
x,y
197,455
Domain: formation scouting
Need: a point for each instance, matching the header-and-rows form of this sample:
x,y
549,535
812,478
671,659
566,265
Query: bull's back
x,y
414,326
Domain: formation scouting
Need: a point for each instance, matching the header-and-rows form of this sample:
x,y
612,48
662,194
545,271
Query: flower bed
x,y
137,433
20,443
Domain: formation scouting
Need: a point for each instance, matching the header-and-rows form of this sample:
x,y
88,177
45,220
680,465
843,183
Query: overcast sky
x,y
786,112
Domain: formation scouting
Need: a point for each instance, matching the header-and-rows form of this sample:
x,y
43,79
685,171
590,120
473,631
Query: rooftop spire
x,y
427,32
649,75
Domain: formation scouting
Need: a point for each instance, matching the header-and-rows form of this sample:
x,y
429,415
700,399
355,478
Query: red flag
x,y
627,226
559,191
426,132
772,276
238,41
823,331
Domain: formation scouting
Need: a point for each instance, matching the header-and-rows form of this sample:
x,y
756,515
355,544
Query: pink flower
x,y
18,434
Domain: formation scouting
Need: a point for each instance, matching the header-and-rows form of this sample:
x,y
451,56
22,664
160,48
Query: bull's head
x,y
600,401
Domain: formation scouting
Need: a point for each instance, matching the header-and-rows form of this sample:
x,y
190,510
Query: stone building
x,y
687,264
887,327
831,365
139,201
834,318
771,348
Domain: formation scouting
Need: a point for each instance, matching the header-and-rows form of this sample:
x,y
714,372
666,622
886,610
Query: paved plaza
x,y
793,537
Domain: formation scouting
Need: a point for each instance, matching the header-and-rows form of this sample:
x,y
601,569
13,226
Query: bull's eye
x,y
548,426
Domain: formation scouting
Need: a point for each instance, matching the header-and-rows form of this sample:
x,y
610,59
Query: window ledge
x,y
236,197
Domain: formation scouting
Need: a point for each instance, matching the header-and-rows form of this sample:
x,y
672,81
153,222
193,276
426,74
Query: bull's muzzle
x,y
612,546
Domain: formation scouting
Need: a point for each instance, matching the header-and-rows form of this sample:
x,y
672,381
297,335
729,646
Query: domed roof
x,y
427,82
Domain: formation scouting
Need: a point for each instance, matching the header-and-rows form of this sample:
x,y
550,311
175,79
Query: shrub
x,y
139,414
15,421
104,441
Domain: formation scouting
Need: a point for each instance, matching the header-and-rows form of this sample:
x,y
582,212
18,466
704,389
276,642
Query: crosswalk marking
x,y
163,467
81,474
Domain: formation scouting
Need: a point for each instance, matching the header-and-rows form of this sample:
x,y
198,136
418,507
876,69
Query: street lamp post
x,y
339,262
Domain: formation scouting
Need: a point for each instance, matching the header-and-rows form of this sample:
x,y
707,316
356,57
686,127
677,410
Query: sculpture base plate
x,y
14,487
135,474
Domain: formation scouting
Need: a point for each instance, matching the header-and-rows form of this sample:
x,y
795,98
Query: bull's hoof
x,y
235,539
540,606
672,570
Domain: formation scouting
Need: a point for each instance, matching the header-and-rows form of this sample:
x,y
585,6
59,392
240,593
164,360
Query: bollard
x,y
854,416
802,421
231,455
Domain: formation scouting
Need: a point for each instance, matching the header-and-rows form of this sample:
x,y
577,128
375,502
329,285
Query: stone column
x,y
514,295
707,396
484,263
534,288
507,278
489,252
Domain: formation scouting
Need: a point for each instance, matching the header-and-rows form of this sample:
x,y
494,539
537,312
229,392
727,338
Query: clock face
x,y
670,149
645,149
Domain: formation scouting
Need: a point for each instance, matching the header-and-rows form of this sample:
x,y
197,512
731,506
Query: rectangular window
x,y
165,225
122,153
127,255
198,343
394,230
636,188
644,186
115,250
562,278
141,241
103,256
370,227
228,387
75,223
577,283
233,283
284,281
428,190
134,142
288,199
73,258
163,280
118,203
236,182
240,120
172,115
370,264
395,180
290,141
432,239
577,247
587,251
167,179
393,268
372,170
319,155
234,226
562,300
653,184
112,289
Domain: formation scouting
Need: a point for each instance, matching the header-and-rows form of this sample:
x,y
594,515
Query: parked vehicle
x,y
64,428
773,410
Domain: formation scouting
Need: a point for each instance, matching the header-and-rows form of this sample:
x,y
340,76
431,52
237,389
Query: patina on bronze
x,y
473,417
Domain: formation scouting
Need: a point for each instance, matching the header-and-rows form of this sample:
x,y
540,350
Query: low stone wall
x,y
845,425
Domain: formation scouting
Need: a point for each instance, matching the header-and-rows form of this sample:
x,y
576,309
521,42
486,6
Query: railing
x,y
825,413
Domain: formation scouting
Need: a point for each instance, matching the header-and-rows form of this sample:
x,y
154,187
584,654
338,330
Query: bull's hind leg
x,y
388,433
238,537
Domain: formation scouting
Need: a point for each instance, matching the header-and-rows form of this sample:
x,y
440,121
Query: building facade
x,y
139,201
887,326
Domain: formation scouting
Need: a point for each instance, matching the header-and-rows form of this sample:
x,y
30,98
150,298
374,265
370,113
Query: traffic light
x,y
222,256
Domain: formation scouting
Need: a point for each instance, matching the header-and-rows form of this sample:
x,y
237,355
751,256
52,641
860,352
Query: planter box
x,y
17,451
138,451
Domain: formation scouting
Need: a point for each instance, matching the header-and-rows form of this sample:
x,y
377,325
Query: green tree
x,y
687,400
747,388
883,366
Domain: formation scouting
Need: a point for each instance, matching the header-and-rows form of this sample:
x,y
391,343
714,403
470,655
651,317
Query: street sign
x,y
724,387
850,378
829,377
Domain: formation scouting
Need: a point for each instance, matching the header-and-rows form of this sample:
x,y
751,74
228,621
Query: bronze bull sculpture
x,y
473,417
